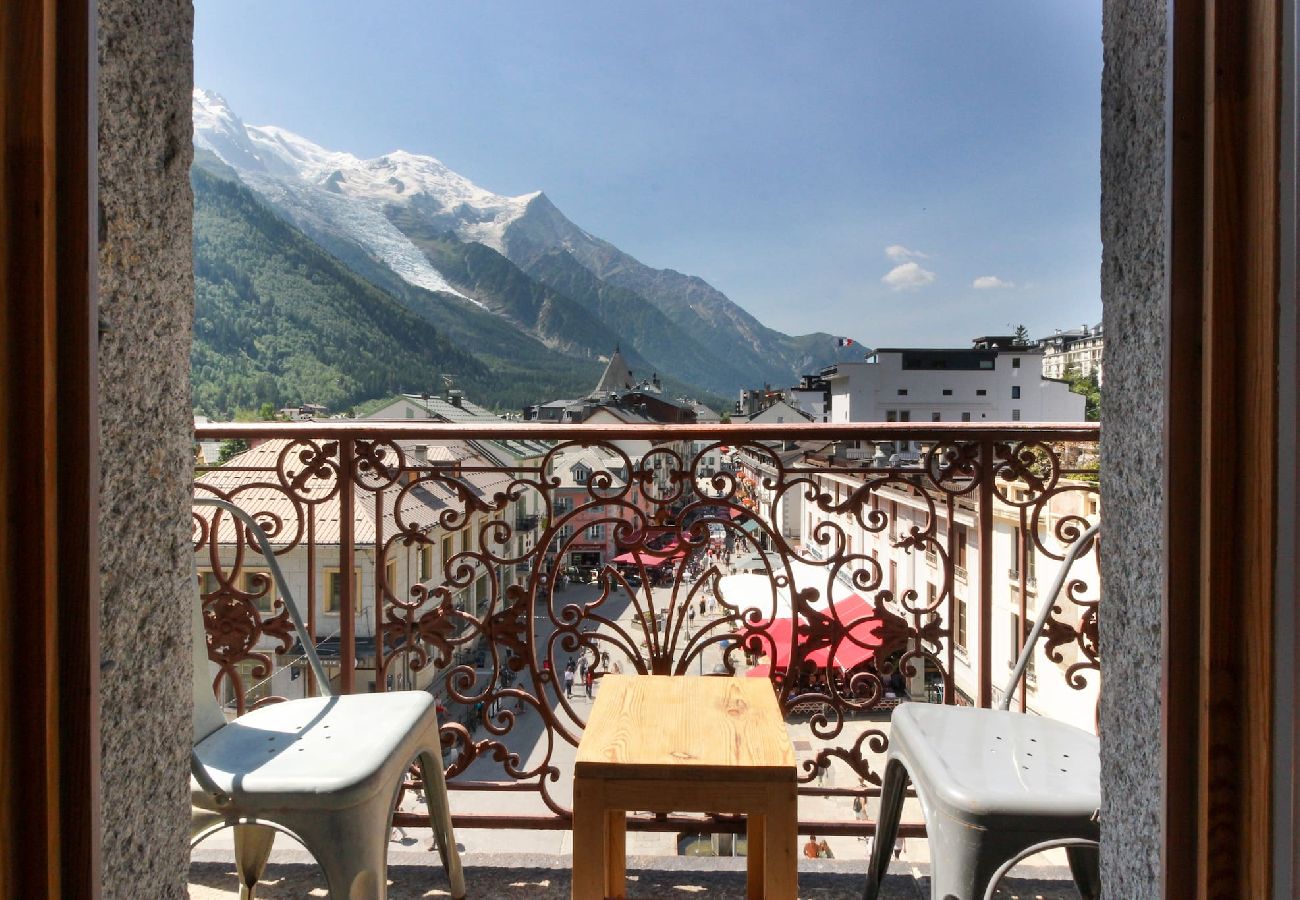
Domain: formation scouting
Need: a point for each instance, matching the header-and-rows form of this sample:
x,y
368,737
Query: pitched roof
x,y
595,459
257,491
465,411
616,377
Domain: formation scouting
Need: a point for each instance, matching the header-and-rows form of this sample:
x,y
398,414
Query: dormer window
x,y
581,474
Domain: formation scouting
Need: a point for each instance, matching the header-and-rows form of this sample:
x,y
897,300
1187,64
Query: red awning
x,y
857,645
670,553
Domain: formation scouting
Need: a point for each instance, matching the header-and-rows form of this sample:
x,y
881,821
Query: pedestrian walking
x,y
568,682
588,680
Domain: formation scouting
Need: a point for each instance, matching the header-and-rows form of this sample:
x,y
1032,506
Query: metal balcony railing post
x,y
380,567
986,575
347,553
312,687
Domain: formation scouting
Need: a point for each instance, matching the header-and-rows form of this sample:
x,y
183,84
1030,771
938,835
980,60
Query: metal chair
x,y
325,770
994,786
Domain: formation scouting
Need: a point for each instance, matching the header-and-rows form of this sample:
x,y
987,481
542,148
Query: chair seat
x,y
325,752
996,767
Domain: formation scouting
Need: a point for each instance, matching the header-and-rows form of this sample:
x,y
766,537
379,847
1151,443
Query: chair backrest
x,y
1045,604
208,716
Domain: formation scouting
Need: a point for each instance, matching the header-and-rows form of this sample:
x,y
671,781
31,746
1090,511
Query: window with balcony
x,y
959,552
1017,551
595,532
563,505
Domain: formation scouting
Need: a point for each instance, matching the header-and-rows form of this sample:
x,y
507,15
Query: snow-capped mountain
x,y
326,190
396,207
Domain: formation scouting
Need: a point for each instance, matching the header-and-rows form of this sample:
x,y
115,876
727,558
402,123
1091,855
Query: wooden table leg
x,y
780,848
589,819
615,854
756,849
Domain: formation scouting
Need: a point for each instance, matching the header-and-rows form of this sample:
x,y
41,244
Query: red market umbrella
x,y
856,647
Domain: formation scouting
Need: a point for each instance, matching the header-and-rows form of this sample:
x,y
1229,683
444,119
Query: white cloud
x,y
991,283
898,253
908,277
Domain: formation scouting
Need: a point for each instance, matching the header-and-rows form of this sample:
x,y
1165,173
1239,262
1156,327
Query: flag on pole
x,y
844,342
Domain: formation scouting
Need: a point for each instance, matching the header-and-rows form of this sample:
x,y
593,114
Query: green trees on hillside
x,y
279,321
1091,390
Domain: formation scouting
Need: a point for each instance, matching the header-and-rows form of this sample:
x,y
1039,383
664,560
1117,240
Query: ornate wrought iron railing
x,y
482,569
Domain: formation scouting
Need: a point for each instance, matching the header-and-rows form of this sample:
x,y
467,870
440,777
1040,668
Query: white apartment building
x,y
1018,574
994,381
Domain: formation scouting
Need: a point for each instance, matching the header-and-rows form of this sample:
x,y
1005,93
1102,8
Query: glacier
x,y
337,192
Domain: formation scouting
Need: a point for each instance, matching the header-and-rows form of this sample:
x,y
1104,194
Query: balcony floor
x,y
292,874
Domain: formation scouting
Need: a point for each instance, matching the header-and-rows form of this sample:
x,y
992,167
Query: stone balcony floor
x,y
292,874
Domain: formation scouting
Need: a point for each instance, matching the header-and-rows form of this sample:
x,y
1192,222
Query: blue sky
x,y
777,150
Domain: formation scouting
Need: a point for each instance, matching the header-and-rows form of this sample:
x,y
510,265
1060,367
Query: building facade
x,y
995,381
1077,352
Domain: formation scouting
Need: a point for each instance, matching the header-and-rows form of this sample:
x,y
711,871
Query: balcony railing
x,y
497,623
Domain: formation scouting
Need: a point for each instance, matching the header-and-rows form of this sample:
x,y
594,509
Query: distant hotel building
x,y
1077,352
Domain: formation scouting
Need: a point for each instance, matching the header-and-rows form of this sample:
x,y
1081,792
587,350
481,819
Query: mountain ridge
x,y
381,212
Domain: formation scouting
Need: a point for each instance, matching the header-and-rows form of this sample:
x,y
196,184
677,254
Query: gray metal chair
x,y
325,770
994,786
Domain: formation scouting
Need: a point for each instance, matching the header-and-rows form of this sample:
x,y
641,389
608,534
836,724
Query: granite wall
x,y
1133,289
147,310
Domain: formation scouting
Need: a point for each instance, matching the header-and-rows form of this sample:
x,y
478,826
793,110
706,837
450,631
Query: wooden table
x,y
684,744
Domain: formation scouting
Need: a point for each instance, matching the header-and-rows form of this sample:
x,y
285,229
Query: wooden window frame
x,y
1223,372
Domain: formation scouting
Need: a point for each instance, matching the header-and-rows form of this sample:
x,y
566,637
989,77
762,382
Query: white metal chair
x,y
325,770
994,786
